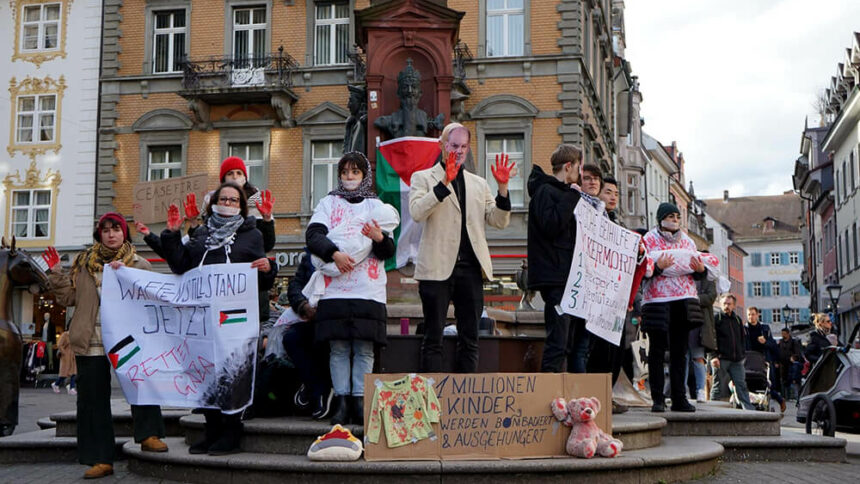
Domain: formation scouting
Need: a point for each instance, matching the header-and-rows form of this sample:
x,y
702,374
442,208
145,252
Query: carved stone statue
x,y
409,120
355,136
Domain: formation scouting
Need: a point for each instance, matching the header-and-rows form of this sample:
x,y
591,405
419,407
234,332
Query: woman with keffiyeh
x,y
82,288
229,235
351,312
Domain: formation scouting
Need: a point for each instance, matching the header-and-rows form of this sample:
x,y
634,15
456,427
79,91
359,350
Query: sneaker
x,y
323,406
658,407
701,396
71,390
55,387
300,399
683,406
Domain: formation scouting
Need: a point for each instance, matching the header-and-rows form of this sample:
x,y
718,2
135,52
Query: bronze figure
x,y
409,120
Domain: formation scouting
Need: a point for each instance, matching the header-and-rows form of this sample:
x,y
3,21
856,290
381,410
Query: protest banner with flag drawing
x,y
233,316
123,351
396,161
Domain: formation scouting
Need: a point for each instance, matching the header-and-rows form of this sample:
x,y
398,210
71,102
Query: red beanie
x,y
115,218
232,163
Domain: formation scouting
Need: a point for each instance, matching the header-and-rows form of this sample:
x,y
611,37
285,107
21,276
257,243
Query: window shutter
x,y
801,257
765,289
804,315
749,289
783,288
756,259
767,258
783,258
766,315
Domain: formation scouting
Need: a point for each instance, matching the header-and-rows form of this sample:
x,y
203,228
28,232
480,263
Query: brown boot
x,y
153,444
98,470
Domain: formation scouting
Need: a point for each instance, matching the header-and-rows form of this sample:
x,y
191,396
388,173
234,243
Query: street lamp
x,y
786,313
834,291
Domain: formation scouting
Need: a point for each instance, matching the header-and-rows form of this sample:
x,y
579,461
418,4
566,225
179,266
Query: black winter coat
x,y
658,316
789,348
348,319
817,342
769,349
551,230
731,337
298,282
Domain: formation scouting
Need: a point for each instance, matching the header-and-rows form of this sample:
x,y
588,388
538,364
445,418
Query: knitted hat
x,y
232,163
115,218
665,209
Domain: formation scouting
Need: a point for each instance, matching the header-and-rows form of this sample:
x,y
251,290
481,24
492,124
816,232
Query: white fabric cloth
x,y
344,221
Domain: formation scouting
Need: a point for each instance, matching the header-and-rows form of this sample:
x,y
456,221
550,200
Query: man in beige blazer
x,y
453,257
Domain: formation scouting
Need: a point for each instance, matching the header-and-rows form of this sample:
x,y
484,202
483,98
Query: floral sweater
x,y
676,281
405,408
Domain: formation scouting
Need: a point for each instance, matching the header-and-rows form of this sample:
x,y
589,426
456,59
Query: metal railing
x,y
274,70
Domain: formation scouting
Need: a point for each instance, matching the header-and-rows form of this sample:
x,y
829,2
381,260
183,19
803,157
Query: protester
x,y
453,256
707,291
310,358
790,353
81,288
609,196
551,240
821,338
68,369
351,313
228,236
592,182
760,339
731,351
670,305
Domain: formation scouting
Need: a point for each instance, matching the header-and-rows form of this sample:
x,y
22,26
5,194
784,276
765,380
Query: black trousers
x,y
95,434
605,357
465,288
567,340
676,339
309,357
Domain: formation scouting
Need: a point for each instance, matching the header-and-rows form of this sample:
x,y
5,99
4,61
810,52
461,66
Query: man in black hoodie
x,y
551,237
731,351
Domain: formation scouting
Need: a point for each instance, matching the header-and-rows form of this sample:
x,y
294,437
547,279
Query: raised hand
x,y
143,229
174,220
267,201
502,170
451,167
262,264
372,231
51,257
191,210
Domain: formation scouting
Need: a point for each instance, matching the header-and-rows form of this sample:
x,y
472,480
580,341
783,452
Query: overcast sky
x,y
731,82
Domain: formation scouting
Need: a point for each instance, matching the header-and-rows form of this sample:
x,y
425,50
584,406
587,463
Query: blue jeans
x,y
700,371
737,374
362,363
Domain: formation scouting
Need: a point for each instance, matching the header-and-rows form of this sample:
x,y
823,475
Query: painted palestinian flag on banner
x,y
232,316
122,352
396,161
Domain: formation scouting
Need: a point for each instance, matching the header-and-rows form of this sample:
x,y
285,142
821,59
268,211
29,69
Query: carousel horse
x,y
17,269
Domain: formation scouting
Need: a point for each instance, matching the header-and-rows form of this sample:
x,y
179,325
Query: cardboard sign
x,y
151,199
183,341
494,415
601,273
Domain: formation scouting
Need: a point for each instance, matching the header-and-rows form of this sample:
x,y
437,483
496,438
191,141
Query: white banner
x,y
601,274
183,341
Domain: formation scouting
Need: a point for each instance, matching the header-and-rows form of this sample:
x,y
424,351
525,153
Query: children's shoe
x,y
55,387
71,390
701,397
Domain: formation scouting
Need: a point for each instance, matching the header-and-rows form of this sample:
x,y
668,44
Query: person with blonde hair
x,y
821,338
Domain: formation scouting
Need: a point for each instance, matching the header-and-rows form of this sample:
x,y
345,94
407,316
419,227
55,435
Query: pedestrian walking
x,y
760,339
81,287
68,368
790,352
731,352
821,338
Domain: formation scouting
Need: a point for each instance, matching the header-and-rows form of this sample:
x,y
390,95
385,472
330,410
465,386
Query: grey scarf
x,y
669,236
222,230
365,188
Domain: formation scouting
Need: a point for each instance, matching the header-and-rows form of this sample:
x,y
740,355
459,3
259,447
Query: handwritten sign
x,y
151,199
183,341
604,260
496,416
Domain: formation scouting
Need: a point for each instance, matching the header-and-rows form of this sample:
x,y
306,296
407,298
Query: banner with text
x,y
183,341
601,275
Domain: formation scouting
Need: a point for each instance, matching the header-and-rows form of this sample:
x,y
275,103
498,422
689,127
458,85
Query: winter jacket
x,y
817,342
246,247
348,319
657,316
84,328
707,295
551,229
68,367
769,349
789,348
660,287
731,337
298,282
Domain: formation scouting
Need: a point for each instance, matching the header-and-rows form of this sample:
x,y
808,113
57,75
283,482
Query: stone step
x,y
716,419
46,423
676,459
44,446
790,447
66,422
293,435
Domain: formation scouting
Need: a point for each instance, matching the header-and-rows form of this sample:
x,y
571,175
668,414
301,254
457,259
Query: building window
x,y
854,232
40,27
511,145
324,158
168,46
164,162
331,33
37,118
794,257
776,315
794,288
31,213
756,289
774,259
775,289
505,28
254,158
795,315
249,37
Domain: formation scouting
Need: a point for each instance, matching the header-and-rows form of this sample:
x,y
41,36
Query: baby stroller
x,y
758,382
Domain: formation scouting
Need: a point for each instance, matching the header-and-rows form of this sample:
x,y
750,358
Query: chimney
x,y
725,195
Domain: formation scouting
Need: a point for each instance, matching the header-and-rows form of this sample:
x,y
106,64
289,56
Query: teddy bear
x,y
586,438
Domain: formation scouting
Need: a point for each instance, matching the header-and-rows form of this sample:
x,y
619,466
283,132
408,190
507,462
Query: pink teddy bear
x,y
586,438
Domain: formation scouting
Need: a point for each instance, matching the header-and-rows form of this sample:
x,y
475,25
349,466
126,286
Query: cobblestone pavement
x,y
785,472
66,473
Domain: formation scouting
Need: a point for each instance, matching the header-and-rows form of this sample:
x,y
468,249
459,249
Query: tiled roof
x,y
746,215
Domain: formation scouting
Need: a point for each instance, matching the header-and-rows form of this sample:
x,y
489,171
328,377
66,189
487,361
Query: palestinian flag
x,y
122,352
233,316
396,161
